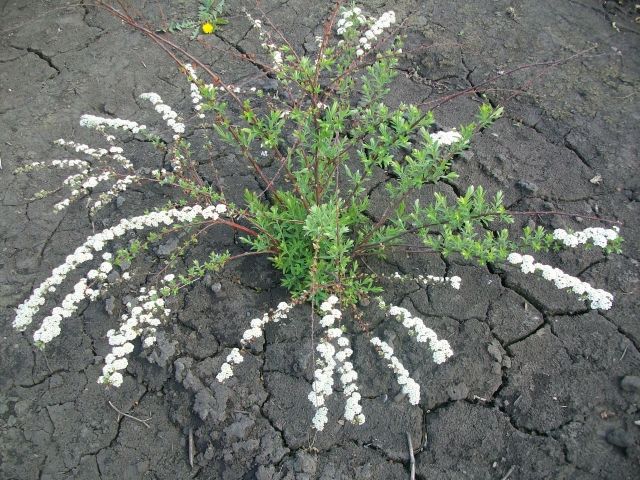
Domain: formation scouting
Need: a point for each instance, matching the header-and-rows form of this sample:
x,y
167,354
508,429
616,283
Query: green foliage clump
x,y
332,137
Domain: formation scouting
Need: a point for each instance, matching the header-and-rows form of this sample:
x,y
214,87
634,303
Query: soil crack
x,y
46,58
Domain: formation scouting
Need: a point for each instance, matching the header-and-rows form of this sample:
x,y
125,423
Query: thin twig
x,y
623,353
191,448
120,412
432,104
412,458
46,361
513,467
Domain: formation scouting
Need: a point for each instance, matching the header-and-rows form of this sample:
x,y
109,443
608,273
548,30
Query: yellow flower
x,y
208,28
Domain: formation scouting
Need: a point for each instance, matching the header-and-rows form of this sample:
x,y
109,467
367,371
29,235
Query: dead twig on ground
x,y
120,412
509,472
623,353
412,458
191,447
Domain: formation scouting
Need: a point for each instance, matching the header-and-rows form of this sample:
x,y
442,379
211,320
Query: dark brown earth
x,y
540,387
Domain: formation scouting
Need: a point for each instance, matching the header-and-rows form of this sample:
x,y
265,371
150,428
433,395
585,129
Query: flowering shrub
x,y
330,133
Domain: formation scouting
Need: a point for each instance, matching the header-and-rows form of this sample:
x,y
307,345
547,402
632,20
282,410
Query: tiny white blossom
x,y
225,372
446,138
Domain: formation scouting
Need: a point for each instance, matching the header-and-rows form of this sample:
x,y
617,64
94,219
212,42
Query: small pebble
x,y
528,187
109,305
165,249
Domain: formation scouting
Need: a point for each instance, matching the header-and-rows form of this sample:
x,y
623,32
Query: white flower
x,y
446,138
235,357
221,208
327,321
283,306
423,334
599,299
91,274
118,364
316,399
334,333
105,267
600,237
225,372
115,379
455,282
409,386
320,418
514,258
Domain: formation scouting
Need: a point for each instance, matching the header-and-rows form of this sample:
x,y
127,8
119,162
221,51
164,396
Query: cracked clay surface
x,y
539,386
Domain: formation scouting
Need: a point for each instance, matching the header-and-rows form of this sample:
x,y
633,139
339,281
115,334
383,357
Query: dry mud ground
x,y
540,387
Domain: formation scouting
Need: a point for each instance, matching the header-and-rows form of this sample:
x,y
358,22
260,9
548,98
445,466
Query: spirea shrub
x,y
331,135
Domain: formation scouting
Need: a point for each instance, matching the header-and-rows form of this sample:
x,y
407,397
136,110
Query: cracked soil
x,y
539,387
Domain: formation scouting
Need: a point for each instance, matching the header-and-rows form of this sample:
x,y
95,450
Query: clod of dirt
x,y
527,187
165,249
630,383
619,438
109,305
458,392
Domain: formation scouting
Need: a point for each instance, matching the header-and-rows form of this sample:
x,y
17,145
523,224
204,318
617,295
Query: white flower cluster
x,y
258,324
74,180
277,59
226,370
168,114
349,18
100,123
272,48
446,138
371,35
599,299
441,348
257,24
96,153
114,152
93,181
330,357
323,383
348,376
30,307
50,326
454,281
256,331
141,319
64,203
81,184
409,386
65,163
119,186
600,237
196,97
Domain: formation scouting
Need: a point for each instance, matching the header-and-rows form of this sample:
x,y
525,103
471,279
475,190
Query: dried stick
x,y
191,447
120,412
509,472
412,458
